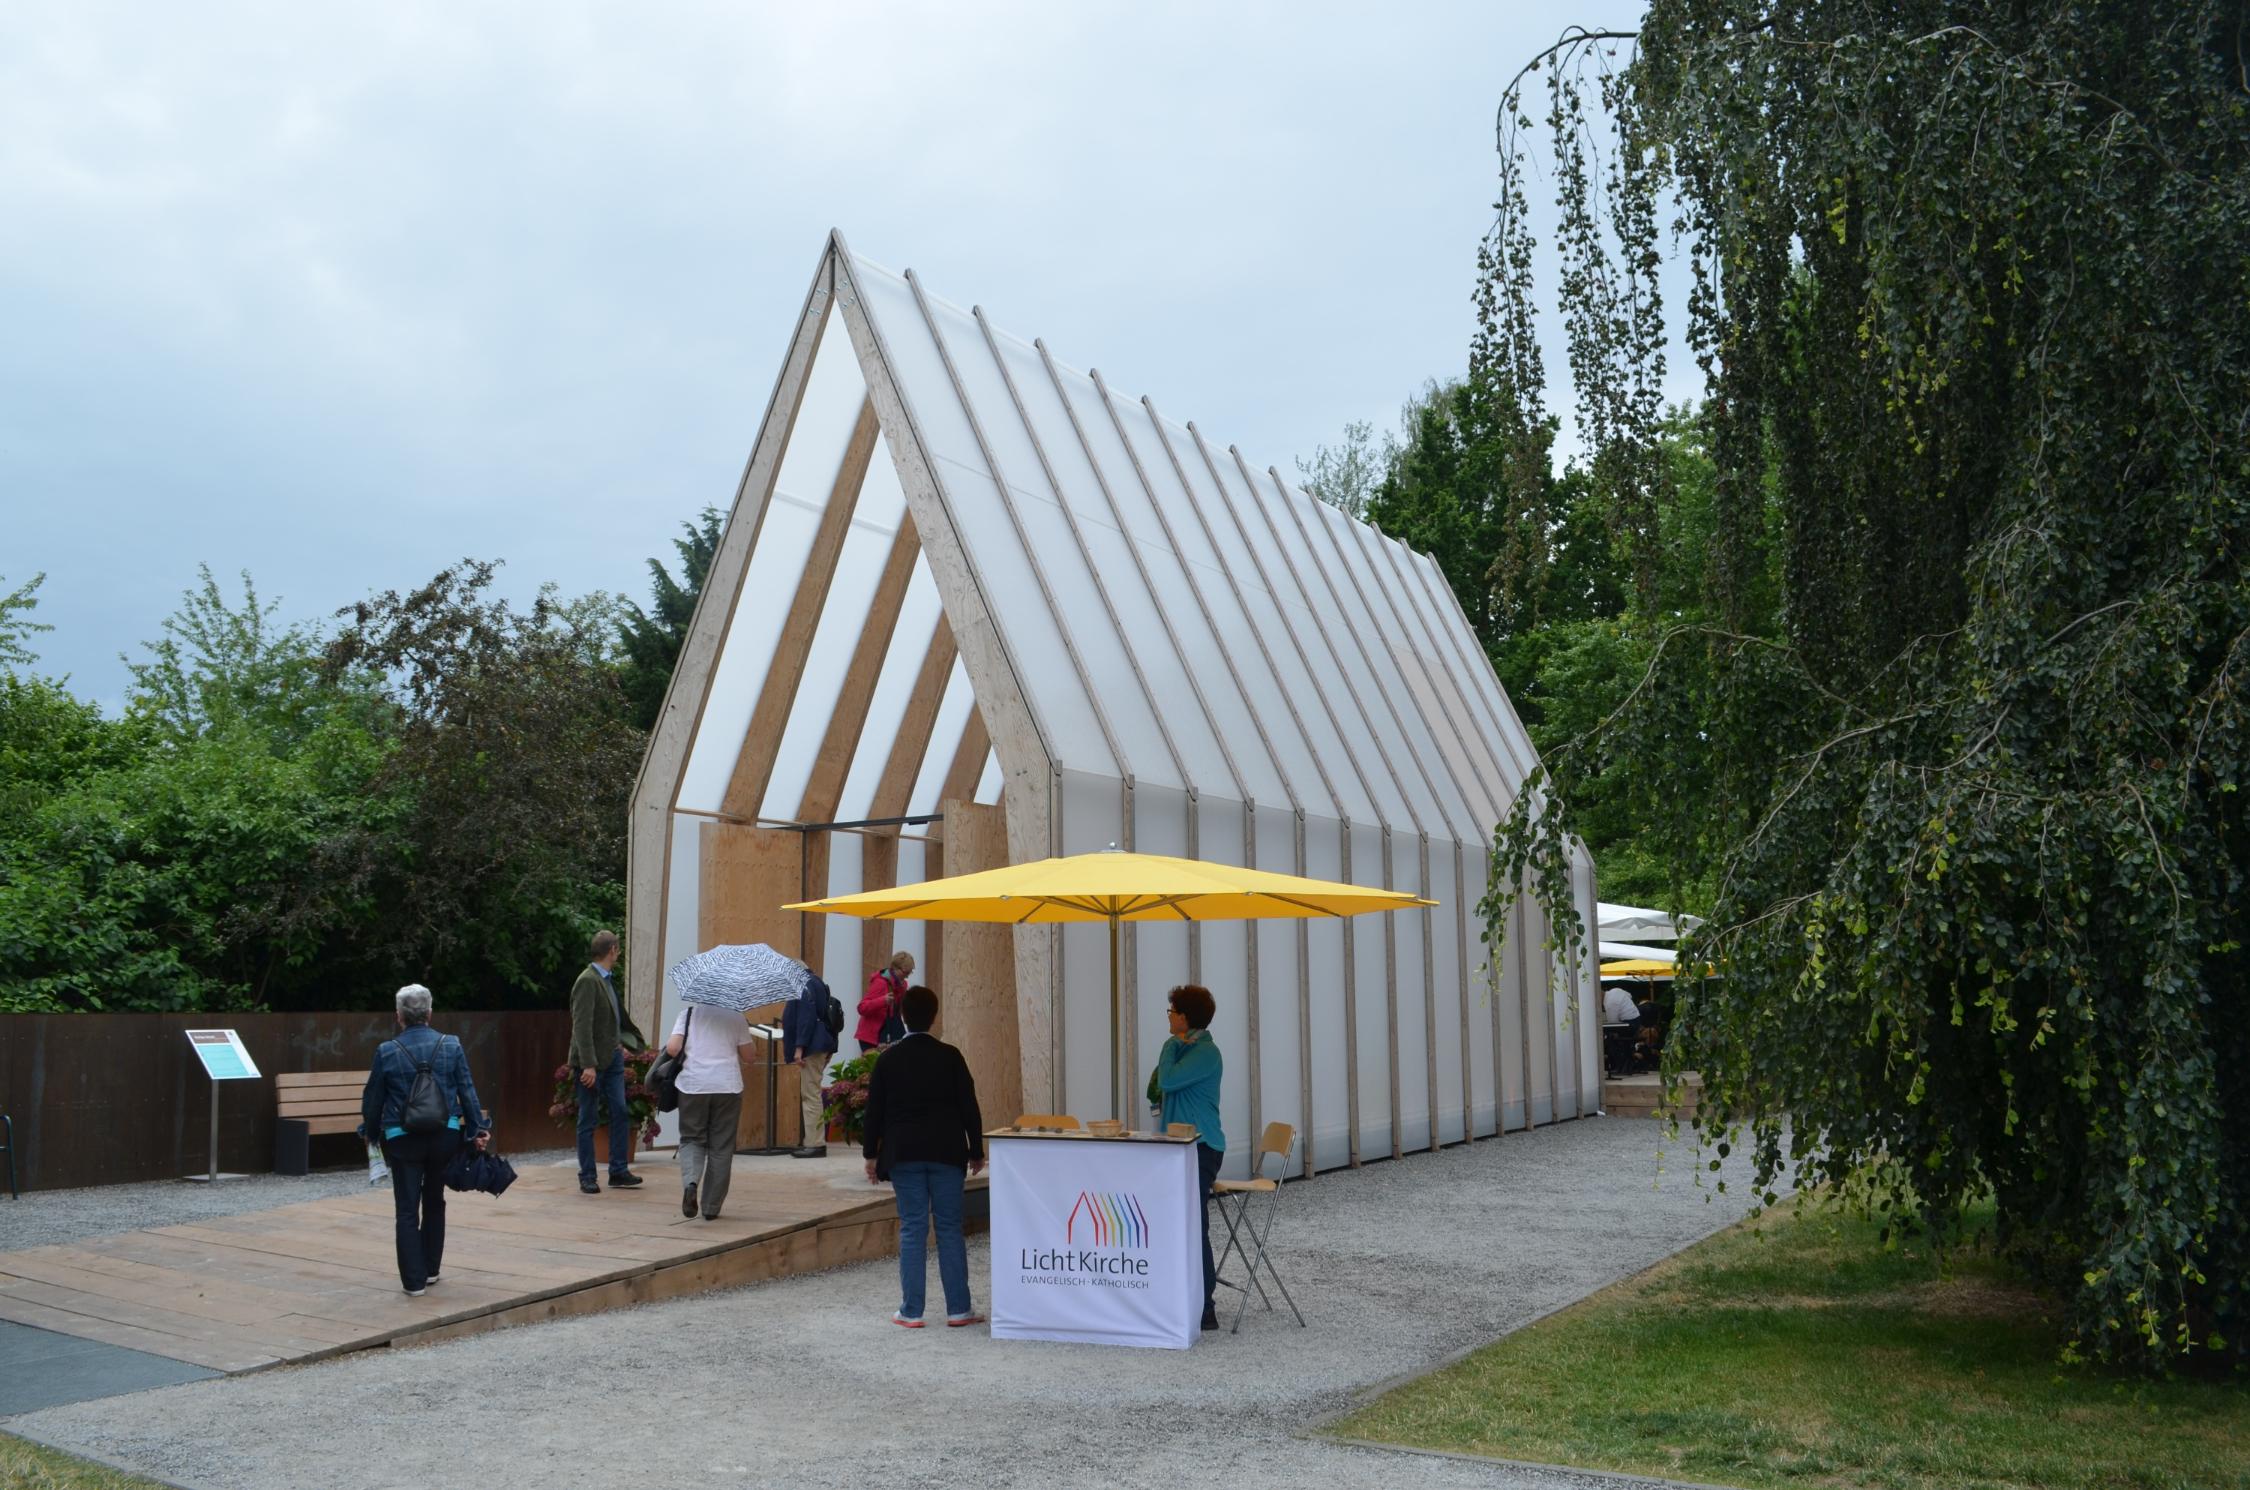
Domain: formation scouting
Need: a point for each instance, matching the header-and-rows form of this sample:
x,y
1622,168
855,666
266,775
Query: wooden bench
x,y
312,1102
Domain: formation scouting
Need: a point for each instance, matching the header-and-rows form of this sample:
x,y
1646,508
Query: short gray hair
x,y
414,1004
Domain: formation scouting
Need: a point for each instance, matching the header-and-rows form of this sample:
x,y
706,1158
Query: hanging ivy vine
x,y
1971,290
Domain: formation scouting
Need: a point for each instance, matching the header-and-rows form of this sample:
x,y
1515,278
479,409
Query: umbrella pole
x,y
1116,1041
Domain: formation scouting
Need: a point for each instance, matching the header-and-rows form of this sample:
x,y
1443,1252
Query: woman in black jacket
x,y
925,1136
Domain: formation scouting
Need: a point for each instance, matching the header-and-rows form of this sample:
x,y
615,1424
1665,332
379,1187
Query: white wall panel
x,y
1160,948
1453,1023
840,935
1091,822
1482,1010
1279,1021
1324,951
1372,1030
1412,1031
908,936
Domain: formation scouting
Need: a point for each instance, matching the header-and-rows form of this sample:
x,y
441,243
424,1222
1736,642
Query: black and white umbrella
x,y
739,977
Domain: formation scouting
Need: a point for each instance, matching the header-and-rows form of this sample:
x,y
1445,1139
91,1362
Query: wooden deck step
x,y
305,1282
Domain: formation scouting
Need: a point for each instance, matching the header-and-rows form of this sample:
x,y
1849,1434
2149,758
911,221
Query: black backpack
x,y
424,1111
833,1015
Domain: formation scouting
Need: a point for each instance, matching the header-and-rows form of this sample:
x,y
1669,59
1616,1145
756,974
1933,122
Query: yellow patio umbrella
x,y
1114,887
1637,967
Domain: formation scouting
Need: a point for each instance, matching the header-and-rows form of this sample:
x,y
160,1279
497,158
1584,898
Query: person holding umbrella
x,y
710,1087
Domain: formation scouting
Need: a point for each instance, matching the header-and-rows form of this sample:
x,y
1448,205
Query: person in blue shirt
x,y
1185,1087
418,1159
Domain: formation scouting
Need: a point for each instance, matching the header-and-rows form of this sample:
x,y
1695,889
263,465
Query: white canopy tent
x,y
1632,923
1630,951
973,606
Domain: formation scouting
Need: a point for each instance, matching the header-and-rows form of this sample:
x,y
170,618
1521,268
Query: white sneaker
x,y
415,1293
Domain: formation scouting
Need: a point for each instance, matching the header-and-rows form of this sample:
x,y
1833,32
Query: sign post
x,y
224,1059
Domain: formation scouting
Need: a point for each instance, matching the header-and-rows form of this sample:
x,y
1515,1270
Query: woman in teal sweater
x,y
1185,1089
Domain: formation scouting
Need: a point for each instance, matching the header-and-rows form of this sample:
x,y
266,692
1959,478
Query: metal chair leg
x,y
1237,1218
1272,1212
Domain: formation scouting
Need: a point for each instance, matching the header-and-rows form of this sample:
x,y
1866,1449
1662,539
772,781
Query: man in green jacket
x,y
598,1027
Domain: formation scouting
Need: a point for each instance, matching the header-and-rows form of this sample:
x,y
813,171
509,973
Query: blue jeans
x,y
417,1162
609,1087
927,1193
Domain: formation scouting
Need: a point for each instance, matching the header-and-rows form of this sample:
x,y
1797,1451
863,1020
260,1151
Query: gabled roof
x,y
1175,613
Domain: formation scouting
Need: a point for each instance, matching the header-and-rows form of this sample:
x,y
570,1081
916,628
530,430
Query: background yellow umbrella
x,y
1114,887
1637,967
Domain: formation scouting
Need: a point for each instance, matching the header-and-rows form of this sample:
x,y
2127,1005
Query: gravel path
x,y
45,1218
804,1381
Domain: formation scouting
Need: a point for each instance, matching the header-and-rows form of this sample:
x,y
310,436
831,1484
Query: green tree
x,y
16,623
1969,294
515,755
651,639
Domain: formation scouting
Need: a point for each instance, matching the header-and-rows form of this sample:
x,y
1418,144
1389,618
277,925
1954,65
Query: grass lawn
x,y
25,1465
1797,1351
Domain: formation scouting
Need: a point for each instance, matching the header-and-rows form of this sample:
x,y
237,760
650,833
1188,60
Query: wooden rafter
x,y
761,742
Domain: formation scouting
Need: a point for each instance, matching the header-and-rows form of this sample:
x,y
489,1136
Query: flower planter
x,y
601,1144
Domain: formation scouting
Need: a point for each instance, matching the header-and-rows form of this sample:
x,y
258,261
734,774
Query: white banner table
x,y
1095,1240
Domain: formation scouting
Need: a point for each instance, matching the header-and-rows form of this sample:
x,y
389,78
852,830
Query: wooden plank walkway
x,y
304,1282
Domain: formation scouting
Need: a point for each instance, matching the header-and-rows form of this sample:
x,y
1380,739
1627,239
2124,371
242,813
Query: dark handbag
x,y
663,1079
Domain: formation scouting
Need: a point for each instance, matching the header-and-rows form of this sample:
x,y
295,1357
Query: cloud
x,y
341,294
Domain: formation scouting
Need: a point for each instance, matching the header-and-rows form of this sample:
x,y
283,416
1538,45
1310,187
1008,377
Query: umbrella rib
x,y
1303,905
892,913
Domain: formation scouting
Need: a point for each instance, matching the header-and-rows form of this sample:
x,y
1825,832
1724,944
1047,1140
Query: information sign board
x,y
222,1054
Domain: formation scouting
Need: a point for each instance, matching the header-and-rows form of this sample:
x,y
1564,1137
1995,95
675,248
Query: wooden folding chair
x,y
1279,1142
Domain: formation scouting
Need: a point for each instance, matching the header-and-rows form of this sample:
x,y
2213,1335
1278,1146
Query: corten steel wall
x,y
103,1099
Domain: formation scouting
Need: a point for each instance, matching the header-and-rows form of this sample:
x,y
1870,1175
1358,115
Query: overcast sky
x,y
341,294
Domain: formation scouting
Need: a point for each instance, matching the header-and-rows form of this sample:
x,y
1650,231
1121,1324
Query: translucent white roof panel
x,y
1369,619
834,392
918,616
1169,614
858,568
1415,646
945,739
1339,734
1088,492
1363,695
1008,581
